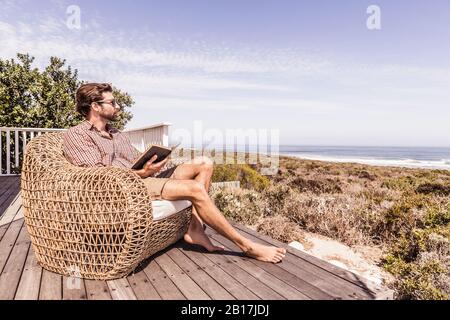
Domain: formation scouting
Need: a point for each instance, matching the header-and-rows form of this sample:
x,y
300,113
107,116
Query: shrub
x,y
281,229
275,197
420,262
403,216
433,188
248,177
418,281
316,186
239,205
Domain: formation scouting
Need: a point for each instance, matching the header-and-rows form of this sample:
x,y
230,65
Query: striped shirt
x,y
84,145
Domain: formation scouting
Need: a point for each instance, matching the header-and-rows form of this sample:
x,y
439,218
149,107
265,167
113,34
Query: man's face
x,y
106,108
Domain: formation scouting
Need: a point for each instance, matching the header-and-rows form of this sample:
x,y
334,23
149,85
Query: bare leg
x,y
199,169
196,193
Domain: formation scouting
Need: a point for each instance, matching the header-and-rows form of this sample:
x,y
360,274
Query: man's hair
x,y
88,93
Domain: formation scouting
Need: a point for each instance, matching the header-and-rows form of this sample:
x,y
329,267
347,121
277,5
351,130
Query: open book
x,y
161,151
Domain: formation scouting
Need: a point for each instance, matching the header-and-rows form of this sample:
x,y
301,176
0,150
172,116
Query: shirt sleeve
x,y
80,150
136,153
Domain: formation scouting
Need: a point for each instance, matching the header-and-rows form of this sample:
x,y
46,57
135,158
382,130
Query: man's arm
x,y
80,150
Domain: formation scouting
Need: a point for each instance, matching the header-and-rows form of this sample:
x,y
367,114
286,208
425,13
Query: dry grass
x,y
405,211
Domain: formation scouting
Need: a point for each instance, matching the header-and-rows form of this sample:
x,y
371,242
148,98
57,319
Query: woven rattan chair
x,y
94,223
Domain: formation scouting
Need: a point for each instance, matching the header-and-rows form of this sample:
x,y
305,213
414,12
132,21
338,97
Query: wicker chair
x,y
94,223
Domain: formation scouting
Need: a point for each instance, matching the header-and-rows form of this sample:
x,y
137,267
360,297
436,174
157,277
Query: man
x,y
95,143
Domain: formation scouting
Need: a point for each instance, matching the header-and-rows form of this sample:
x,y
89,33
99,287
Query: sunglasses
x,y
112,102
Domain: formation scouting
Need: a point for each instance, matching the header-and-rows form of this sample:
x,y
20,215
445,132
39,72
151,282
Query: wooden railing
x,y
155,134
12,144
14,140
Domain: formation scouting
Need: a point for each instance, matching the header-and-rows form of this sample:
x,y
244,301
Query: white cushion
x,y
164,208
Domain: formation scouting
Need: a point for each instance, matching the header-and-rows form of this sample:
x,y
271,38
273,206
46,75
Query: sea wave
x,y
407,163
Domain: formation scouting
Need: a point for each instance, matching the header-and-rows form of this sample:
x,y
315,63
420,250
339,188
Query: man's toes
x,y
276,259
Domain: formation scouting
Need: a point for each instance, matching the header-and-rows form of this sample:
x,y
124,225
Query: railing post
x,y
8,151
16,144
165,137
24,140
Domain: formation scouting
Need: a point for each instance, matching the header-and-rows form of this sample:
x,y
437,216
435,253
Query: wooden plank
x,y
1,151
97,290
120,289
31,279
262,275
233,286
162,283
19,214
8,241
73,288
373,290
225,185
308,283
226,263
326,281
11,211
186,285
10,276
7,199
5,183
51,286
3,231
8,196
4,228
208,284
142,287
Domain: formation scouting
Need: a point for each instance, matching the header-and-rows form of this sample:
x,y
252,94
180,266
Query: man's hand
x,y
151,168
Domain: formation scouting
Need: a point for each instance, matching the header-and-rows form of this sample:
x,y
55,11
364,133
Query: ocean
x,y
411,157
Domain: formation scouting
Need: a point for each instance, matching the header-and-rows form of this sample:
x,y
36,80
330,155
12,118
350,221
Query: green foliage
x,y
418,260
240,205
437,216
416,281
30,98
248,177
400,218
409,182
44,99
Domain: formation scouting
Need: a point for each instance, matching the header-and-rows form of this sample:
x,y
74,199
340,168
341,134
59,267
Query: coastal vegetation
x,y
404,212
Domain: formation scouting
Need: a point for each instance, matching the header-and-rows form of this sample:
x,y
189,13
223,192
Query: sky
x,y
313,70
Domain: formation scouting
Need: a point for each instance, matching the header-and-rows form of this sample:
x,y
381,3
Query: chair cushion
x,y
164,208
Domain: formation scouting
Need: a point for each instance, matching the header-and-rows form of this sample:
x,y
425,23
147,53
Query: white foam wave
x,y
407,163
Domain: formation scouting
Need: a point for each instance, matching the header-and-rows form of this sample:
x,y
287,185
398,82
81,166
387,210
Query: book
x,y
161,151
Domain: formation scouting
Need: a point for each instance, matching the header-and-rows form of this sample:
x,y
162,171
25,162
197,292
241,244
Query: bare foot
x,y
199,237
265,253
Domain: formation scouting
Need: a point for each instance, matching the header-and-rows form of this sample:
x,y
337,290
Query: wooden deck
x,y
179,272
